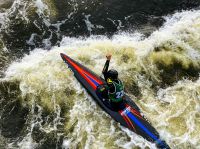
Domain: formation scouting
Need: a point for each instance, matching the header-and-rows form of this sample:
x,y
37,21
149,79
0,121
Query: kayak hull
x,y
129,116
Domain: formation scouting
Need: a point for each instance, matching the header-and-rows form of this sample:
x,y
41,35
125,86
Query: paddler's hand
x,y
108,56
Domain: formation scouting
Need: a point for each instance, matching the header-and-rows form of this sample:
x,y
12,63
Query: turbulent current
x,y
155,47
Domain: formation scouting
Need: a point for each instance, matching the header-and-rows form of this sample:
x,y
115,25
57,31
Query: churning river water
x,y
156,49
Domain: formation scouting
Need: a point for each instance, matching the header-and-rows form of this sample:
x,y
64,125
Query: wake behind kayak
x,y
128,115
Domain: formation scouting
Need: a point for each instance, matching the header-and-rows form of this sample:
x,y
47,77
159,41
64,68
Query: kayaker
x,y
114,88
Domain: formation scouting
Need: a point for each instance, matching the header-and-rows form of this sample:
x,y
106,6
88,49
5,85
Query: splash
x,y
172,106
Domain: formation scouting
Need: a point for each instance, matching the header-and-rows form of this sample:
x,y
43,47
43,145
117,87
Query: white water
x,y
43,73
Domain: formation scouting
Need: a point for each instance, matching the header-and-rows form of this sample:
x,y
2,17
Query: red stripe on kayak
x,y
135,112
82,71
130,122
93,77
127,120
120,112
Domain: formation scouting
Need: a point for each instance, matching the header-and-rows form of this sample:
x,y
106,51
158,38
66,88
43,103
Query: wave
x,y
160,72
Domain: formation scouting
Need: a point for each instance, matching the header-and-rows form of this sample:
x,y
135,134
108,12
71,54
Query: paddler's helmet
x,y
112,74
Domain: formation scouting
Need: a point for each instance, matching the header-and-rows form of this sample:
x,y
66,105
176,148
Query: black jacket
x,y
111,87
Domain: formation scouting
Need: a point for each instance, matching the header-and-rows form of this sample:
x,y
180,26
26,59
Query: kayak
x,y
128,116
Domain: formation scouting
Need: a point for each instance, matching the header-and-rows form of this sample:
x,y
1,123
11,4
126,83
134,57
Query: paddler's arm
x,y
105,68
